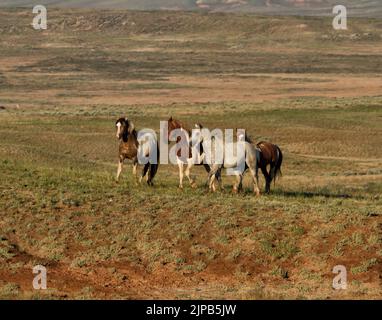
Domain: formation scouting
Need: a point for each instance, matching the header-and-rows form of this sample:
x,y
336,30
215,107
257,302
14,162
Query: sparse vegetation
x,y
317,97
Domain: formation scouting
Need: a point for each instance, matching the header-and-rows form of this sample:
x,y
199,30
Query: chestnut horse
x,y
270,154
129,148
175,124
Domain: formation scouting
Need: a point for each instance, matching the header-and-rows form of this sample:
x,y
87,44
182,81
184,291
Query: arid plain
x,y
294,81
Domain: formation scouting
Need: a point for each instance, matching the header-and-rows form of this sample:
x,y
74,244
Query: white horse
x,y
236,157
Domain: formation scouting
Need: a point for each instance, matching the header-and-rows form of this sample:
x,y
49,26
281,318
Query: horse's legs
x,y
144,172
218,176
135,174
152,171
119,170
212,183
212,176
272,174
239,183
187,172
267,178
180,165
255,178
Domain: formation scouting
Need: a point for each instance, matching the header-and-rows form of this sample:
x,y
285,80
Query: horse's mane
x,y
178,125
248,138
134,132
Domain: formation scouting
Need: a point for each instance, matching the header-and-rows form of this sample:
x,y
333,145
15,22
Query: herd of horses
x,y
256,156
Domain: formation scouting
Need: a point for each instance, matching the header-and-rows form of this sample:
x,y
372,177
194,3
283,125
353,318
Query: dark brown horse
x,y
175,124
128,149
270,154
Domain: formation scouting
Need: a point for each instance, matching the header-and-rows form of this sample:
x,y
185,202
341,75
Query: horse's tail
x,y
279,162
258,157
154,167
153,170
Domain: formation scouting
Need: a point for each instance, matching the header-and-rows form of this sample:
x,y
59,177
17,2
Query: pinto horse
x,y
174,124
130,147
270,154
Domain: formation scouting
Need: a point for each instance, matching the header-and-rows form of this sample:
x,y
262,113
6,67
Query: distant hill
x,y
366,8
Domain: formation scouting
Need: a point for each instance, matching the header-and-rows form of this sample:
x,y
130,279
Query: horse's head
x,y
243,137
197,134
172,125
124,128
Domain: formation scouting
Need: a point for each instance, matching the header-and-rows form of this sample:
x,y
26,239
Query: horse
x,y
130,147
270,154
174,124
231,161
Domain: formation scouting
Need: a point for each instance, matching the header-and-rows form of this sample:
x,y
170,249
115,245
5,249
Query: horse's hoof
x,y
180,188
194,185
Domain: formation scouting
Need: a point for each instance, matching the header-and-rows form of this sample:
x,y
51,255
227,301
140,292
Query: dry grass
x,y
313,93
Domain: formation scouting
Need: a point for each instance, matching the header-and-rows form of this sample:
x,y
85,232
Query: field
x,y
314,91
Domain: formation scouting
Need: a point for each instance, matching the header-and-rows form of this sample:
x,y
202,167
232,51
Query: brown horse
x,y
175,124
128,149
270,154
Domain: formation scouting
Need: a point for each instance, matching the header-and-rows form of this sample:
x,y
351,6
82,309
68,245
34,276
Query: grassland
x,y
293,81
